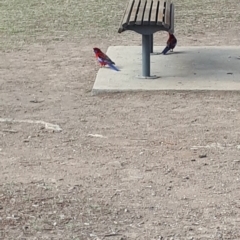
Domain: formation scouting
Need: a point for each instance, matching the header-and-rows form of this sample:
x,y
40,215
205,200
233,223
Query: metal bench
x,y
147,17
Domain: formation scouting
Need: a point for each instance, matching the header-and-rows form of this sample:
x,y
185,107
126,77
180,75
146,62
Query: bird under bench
x,y
147,17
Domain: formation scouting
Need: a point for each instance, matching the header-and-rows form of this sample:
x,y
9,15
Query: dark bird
x,y
171,43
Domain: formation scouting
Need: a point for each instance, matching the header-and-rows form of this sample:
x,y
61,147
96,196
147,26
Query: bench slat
x,y
134,12
147,13
127,13
160,12
167,20
154,12
140,13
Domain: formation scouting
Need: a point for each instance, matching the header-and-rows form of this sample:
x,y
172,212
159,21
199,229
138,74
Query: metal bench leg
x,y
151,46
146,52
146,41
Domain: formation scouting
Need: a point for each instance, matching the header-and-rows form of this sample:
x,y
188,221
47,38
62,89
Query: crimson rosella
x,y
103,59
171,43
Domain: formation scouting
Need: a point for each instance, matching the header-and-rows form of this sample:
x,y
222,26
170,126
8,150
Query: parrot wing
x,y
105,58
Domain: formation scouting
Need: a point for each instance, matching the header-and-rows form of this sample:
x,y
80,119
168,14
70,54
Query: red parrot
x,y
171,43
104,60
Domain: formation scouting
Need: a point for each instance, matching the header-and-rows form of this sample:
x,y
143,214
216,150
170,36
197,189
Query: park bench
x,y
147,17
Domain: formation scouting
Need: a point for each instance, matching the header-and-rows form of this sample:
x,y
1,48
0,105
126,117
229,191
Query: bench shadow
x,y
180,52
169,53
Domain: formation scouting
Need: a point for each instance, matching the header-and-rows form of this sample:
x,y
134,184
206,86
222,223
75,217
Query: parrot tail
x,y
113,67
165,50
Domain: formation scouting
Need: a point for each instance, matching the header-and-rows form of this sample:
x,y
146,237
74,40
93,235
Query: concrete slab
x,y
188,68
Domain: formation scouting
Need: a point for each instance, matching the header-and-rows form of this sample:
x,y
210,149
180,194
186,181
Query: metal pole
x,y
146,41
151,46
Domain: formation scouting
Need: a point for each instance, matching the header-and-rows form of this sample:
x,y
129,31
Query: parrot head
x,y
96,50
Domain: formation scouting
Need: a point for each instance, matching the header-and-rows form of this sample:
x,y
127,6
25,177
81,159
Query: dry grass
x,y
24,22
214,16
28,21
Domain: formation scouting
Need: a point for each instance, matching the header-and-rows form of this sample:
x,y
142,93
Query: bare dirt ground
x,y
158,165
